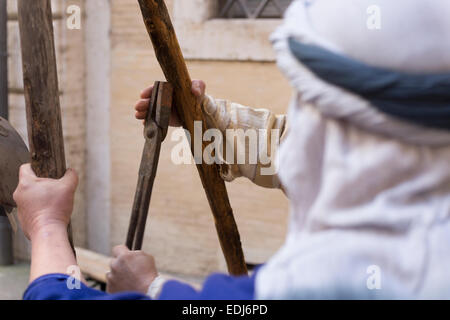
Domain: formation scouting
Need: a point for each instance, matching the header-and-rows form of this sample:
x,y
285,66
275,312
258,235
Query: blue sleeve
x,y
216,287
54,287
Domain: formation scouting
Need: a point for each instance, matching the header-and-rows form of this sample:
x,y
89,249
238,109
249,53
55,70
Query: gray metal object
x,y
6,252
155,131
13,153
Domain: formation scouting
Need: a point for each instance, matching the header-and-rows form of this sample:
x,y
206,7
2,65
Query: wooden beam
x,y
19,91
14,16
93,265
40,80
170,57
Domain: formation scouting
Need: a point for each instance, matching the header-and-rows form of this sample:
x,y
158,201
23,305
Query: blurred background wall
x,y
103,67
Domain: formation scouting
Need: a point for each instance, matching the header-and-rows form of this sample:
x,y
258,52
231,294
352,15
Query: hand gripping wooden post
x,y
40,80
170,57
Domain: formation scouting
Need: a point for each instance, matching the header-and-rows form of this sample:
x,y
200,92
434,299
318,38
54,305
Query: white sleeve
x,y
267,127
155,287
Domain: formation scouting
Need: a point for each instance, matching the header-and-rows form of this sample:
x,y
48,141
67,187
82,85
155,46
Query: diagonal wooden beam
x,y
168,52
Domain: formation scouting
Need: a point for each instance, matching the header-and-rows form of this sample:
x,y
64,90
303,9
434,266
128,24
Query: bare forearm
x,y
51,252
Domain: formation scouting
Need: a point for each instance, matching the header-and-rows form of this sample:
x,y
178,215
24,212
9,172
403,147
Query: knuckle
x,y
22,169
115,264
109,277
15,194
126,256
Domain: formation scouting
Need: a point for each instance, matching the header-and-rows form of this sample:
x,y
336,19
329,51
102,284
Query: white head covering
x,y
363,194
414,36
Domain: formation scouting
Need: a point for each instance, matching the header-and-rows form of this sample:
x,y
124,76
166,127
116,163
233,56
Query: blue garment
x,y
216,287
420,98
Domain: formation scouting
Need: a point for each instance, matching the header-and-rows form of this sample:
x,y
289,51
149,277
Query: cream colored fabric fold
x,y
229,117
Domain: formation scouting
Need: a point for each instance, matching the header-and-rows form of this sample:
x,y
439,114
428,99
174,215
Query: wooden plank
x,y
14,16
92,264
40,80
170,57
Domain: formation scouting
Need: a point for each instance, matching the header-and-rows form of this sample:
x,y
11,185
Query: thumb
x,y
26,172
119,250
70,179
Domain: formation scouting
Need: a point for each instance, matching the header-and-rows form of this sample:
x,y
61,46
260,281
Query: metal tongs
x,y
155,131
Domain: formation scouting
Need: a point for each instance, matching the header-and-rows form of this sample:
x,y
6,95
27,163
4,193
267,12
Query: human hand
x,y
130,271
141,106
44,202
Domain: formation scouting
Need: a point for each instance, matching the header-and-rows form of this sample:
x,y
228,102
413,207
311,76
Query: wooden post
x,y
170,57
3,60
40,81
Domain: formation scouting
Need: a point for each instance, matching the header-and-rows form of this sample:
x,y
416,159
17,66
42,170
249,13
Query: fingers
x,y
147,93
109,277
198,88
141,108
141,115
142,105
120,250
110,285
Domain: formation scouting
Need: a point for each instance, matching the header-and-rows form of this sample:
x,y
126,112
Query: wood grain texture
x,y
170,57
41,90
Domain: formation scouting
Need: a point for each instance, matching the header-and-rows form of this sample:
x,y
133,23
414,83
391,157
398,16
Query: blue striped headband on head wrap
x,y
423,99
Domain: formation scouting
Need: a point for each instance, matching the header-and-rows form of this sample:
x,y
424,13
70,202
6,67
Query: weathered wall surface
x,y
181,231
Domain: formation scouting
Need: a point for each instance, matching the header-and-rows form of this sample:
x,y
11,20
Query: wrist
x,y
48,230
